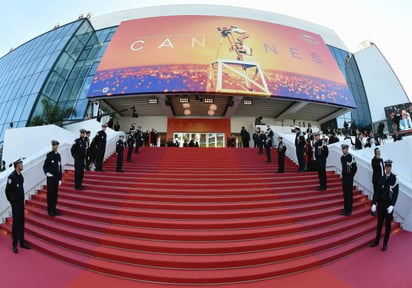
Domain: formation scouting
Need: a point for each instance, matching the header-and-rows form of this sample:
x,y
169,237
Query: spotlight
x,y
153,100
211,113
186,105
213,107
183,100
247,101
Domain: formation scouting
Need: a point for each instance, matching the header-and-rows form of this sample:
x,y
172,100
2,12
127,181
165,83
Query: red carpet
x,y
199,216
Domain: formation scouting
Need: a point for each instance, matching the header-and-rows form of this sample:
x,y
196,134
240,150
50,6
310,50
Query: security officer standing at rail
x,y
78,151
349,169
100,142
300,149
52,167
119,152
281,155
15,195
386,200
321,154
130,143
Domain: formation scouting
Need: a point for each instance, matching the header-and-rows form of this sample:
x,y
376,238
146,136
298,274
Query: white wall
x,y
381,83
34,143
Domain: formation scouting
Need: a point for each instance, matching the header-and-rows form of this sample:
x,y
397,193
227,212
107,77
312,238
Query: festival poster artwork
x,y
211,54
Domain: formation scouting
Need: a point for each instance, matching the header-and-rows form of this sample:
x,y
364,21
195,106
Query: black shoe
x,y
15,250
25,246
80,188
51,214
342,213
348,214
57,213
384,248
374,244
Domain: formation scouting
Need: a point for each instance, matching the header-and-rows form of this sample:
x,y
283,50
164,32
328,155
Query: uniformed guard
x,y
300,149
52,167
15,195
321,154
100,142
78,151
378,169
269,144
281,155
349,169
386,200
130,142
119,152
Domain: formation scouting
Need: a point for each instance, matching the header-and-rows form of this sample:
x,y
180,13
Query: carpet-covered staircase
x,y
199,216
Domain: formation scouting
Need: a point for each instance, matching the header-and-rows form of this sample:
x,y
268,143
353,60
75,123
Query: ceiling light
x,y
211,113
247,101
183,100
213,107
153,100
186,105
187,112
208,100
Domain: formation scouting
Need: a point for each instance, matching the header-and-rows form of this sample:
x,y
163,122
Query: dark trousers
x,y
99,159
260,146
129,153
245,143
119,163
52,190
321,167
136,148
18,223
376,187
268,153
300,151
281,162
347,187
383,215
88,161
78,172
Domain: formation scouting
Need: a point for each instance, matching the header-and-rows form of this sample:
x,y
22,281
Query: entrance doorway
x,y
203,140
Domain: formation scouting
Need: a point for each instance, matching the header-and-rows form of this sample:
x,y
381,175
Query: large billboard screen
x,y
175,54
399,117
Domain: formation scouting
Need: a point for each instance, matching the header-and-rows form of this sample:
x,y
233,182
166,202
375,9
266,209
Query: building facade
x,y
59,67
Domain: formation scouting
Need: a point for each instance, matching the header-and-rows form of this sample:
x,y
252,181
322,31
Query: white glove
x,y
373,209
48,174
390,209
60,182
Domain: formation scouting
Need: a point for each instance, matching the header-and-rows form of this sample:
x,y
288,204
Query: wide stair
x,y
190,216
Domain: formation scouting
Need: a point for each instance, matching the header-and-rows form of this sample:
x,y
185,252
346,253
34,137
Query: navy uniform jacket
x,y
15,189
281,148
119,146
321,150
388,191
130,140
100,140
79,148
300,140
53,165
349,167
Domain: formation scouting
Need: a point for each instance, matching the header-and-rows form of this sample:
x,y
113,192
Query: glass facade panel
x,y
23,72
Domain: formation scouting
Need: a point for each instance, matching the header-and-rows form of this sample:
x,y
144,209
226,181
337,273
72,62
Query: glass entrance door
x,y
204,140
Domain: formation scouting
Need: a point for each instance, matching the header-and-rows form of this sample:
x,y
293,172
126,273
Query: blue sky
x,y
385,22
